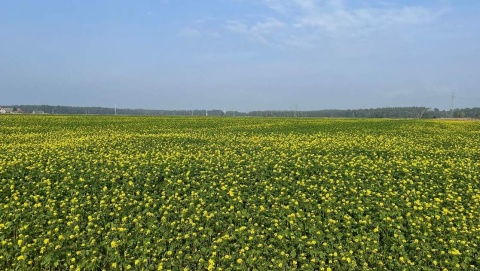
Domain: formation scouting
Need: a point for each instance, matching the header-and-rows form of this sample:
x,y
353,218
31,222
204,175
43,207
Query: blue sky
x,y
240,54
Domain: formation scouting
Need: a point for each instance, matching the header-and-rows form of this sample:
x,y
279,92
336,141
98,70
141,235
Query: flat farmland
x,y
177,193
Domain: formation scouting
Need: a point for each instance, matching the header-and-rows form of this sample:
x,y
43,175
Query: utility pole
x,y
115,109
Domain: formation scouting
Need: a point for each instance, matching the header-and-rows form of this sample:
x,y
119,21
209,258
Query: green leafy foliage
x,y
150,193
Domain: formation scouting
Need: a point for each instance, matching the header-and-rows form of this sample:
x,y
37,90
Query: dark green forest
x,y
386,112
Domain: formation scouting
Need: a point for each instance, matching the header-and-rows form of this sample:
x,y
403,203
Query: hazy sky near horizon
x,y
240,54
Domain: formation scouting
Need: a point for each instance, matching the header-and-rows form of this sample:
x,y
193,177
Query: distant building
x,y
6,110
38,112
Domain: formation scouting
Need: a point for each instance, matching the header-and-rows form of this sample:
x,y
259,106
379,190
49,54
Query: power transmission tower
x,y
452,102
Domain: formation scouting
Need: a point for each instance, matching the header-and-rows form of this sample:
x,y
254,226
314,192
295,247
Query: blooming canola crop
x,y
156,193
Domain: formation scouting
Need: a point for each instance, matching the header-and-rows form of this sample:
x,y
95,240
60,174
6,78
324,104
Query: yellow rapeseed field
x,y
151,193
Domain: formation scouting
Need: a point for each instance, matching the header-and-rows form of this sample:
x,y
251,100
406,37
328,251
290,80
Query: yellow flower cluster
x,y
151,193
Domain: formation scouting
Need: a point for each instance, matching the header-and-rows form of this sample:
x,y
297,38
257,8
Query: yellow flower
x,y
455,252
211,264
113,244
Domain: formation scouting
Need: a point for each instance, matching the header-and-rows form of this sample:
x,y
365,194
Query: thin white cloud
x,y
233,56
189,32
300,21
258,32
194,33
342,20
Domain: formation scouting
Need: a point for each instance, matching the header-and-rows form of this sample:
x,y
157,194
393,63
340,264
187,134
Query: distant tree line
x,y
386,112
